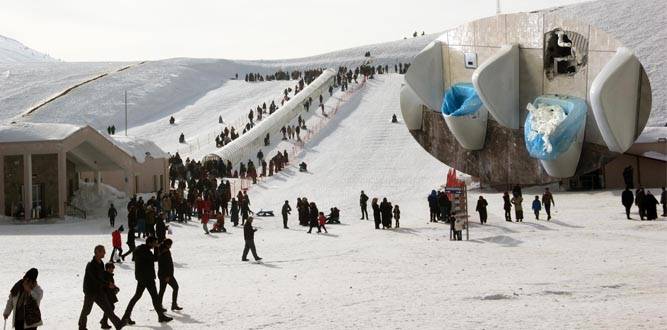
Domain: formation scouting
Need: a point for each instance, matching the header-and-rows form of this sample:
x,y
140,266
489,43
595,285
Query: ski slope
x,y
199,120
359,149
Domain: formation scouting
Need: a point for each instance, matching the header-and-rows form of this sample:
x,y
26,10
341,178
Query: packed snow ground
x,y
587,268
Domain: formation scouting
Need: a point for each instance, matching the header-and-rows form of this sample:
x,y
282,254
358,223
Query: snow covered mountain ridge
x,y
12,51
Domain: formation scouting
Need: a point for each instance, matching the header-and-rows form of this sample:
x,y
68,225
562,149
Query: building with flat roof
x,y
42,164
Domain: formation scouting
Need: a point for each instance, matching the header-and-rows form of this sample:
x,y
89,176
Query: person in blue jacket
x,y
537,206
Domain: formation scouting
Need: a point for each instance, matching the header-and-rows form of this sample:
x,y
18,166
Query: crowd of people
x,y
384,214
645,201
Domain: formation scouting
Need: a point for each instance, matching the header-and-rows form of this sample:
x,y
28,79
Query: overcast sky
x,y
117,30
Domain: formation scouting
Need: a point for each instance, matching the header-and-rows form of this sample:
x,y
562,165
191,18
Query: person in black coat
x,y
286,211
507,206
651,206
627,198
249,237
111,291
160,229
639,201
313,212
235,212
112,213
481,209
363,201
166,274
385,212
144,272
94,286
376,213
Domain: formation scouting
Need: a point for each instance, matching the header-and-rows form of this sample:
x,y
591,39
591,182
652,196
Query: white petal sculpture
x,y
497,83
614,98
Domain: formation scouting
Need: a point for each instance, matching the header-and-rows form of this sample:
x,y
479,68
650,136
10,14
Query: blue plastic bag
x,y
565,133
461,100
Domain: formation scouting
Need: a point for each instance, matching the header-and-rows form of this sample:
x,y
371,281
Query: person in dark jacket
x,y
166,274
547,201
160,229
651,206
385,211
363,201
313,213
111,292
376,212
93,291
481,209
639,201
112,213
507,206
627,198
249,237
397,216
285,212
235,212
433,205
144,272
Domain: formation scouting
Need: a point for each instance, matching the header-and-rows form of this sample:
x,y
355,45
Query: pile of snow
x,y
12,51
544,120
95,200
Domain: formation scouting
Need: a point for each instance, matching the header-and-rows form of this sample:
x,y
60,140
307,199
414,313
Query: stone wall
x,y
504,159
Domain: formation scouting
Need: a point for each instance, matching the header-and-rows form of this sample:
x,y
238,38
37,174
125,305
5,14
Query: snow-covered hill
x,y
12,51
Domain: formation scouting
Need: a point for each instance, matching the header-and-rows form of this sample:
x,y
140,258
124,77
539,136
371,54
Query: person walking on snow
x,y
286,211
363,201
112,213
481,209
117,243
249,237
23,302
166,275
144,272
547,201
537,206
111,292
322,220
93,291
313,213
627,198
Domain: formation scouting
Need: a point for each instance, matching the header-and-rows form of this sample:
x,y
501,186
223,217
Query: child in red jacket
x,y
322,220
204,221
117,243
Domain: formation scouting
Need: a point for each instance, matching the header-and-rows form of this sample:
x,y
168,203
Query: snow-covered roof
x,y
31,132
139,148
35,132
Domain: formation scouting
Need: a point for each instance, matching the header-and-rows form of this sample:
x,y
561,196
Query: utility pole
x,y
125,112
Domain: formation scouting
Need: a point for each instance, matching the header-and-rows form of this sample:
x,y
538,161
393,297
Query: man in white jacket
x,y
23,302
